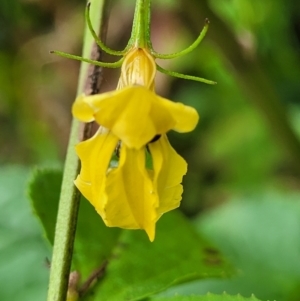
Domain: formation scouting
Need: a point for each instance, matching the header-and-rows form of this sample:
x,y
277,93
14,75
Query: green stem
x,y
65,224
69,198
140,35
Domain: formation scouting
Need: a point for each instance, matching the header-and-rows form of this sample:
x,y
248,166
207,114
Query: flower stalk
x,y
141,22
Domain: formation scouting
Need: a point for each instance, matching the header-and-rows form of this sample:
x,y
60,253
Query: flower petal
x,y
131,200
186,117
169,169
138,68
129,114
135,114
82,110
95,154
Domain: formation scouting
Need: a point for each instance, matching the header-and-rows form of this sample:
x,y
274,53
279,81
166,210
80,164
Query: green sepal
x,y
184,76
97,39
186,50
117,64
140,38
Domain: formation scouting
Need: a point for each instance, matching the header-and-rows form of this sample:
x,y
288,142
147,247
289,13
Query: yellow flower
x,y
130,196
134,113
129,171
133,191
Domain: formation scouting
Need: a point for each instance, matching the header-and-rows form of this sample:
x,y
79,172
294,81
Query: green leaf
x,y
139,268
44,190
257,232
208,297
23,269
93,241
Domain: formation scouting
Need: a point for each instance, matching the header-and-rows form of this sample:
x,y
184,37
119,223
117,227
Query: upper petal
x,y
186,117
82,110
133,114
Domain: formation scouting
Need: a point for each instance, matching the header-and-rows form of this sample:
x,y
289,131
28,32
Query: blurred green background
x,y
242,187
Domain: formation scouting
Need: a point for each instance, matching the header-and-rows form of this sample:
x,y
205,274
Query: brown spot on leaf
x,y
212,256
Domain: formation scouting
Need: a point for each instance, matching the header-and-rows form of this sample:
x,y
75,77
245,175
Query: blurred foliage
x,y
23,266
242,187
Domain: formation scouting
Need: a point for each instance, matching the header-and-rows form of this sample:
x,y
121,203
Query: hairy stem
x,y
69,197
